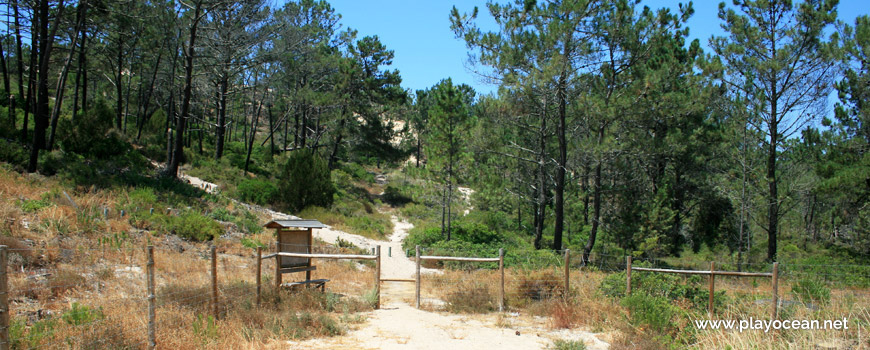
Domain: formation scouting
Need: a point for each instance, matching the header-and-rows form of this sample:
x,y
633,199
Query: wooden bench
x,y
321,283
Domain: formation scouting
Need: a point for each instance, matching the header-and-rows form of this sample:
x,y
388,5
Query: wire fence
x,y
124,297
531,277
101,296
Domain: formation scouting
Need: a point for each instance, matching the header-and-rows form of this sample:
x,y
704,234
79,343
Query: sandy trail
x,y
398,325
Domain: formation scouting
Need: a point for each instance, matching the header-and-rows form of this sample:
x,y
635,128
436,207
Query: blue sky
x,y
427,51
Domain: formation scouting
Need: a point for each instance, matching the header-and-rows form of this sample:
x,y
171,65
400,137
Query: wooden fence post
x,y
628,275
259,272
278,277
567,272
501,272
378,277
775,280
152,299
712,279
417,277
214,288
4,299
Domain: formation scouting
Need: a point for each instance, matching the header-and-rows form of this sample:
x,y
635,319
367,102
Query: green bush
x,y
34,205
194,227
358,172
394,197
257,191
667,286
305,181
221,214
656,312
92,134
13,153
562,344
80,314
811,290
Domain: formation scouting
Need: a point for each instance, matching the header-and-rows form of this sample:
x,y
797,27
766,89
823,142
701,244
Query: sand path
x,y
398,325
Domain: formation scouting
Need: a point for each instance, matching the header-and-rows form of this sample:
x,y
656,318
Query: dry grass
x,y
67,255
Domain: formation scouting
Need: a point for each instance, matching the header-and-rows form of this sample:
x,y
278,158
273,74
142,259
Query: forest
x,y
610,130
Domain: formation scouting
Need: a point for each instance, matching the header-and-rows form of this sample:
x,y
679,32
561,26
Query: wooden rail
x,y
712,273
322,256
499,260
704,272
457,258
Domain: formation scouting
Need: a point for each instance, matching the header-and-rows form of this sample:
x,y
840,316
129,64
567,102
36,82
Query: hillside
x,y
607,180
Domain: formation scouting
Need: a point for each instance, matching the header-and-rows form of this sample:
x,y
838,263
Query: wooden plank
x,y
329,256
712,290
299,269
397,280
458,258
269,256
214,289
4,299
259,272
743,274
152,300
278,276
378,278
567,272
501,270
317,281
775,277
417,277
628,269
308,250
698,272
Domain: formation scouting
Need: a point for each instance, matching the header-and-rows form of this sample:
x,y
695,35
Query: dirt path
x,y
398,325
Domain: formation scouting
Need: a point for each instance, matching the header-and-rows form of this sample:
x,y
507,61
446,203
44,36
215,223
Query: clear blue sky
x,y
427,51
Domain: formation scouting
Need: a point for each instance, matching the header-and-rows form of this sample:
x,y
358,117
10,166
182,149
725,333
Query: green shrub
x,y
92,134
205,328
257,191
221,214
80,314
562,344
811,290
23,337
194,227
13,153
249,222
252,243
394,197
667,286
305,181
656,312
357,171
34,205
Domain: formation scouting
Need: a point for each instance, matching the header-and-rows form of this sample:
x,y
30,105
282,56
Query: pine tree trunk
x,y
19,57
596,204
222,117
3,67
172,170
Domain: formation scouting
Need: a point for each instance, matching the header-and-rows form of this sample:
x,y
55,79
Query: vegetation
x,y
611,134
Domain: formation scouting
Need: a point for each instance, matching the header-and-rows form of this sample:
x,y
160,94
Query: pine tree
x,y
775,53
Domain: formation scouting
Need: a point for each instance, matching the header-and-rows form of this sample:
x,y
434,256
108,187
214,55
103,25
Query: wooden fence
x,y
376,257
712,273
